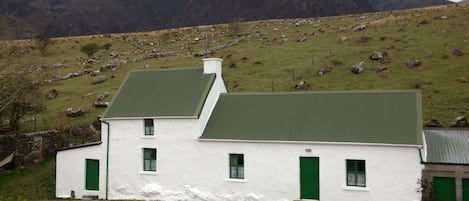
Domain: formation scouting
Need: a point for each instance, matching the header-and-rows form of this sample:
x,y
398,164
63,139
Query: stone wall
x,y
30,147
441,170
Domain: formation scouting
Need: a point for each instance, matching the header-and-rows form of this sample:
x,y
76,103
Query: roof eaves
x,y
80,146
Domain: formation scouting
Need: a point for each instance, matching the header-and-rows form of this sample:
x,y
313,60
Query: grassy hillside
x,y
269,58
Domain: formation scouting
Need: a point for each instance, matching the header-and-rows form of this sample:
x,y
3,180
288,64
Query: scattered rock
x,y
323,71
460,121
443,17
302,85
461,80
358,68
196,39
343,39
103,96
377,55
91,61
53,93
98,79
71,112
114,54
59,65
433,123
301,39
412,63
381,68
457,52
100,104
360,27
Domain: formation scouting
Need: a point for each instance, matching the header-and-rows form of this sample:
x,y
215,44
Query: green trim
x,y
92,174
107,157
354,170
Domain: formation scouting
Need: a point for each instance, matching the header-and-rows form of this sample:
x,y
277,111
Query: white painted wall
x,y
70,171
189,169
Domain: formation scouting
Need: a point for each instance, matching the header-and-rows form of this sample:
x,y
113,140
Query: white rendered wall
x,y
70,171
188,169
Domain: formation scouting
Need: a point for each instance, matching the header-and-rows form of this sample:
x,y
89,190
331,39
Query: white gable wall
x,y
70,171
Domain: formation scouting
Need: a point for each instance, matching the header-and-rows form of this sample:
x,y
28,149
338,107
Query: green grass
x,y
33,183
269,59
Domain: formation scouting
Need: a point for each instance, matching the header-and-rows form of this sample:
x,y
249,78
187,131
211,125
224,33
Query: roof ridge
x,y
166,69
323,92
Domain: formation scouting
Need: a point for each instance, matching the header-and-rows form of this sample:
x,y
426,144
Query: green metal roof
x,y
391,117
447,146
159,93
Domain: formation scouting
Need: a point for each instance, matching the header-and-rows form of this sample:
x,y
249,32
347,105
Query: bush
x,y
89,49
106,46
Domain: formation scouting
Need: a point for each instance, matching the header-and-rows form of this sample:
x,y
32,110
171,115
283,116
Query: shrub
x,y
106,46
89,49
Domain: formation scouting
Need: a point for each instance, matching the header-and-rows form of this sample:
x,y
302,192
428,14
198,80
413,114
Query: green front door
x,y
465,189
444,189
92,174
309,178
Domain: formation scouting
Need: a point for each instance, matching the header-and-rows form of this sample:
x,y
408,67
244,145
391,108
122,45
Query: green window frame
x,y
356,174
149,159
149,127
236,166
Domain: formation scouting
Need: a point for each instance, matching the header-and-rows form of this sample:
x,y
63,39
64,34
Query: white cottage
x,y
175,134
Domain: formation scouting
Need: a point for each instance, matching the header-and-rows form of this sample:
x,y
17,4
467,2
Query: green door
x,y
309,178
92,174
465,189
444,189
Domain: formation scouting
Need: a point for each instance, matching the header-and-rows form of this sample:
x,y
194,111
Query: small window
x,y
356,173
149,128
149,159
236,166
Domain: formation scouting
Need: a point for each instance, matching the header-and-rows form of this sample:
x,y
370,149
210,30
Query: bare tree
x,y
19,95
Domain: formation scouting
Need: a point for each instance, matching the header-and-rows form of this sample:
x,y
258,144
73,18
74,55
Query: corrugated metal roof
x,y
168,92
448,145
392,117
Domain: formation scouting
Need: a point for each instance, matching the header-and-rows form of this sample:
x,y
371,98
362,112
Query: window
x,y
149,127
149,159
236,166
356,173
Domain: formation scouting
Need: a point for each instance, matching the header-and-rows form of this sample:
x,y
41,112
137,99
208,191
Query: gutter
x,y
107,157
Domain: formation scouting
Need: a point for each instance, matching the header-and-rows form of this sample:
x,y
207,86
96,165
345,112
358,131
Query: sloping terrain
x,y
272,55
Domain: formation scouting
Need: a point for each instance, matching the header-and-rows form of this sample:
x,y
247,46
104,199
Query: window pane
x,y
236,166
350,165
241,172
361,180
361,166
351,179
148,126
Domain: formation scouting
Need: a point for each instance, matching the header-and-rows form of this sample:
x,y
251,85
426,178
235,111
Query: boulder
x,y
301,85
301,39
360,27
98,79
412,63
114,54
358,68
323,71
460,121
377,55
71,112
100,104
457,52
433,123
51,94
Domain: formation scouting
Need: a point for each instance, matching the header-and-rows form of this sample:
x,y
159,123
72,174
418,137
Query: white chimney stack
x,y
212,65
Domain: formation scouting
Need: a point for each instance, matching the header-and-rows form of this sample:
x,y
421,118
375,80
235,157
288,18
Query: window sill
x,y
355,188
148,137
236,180
148,173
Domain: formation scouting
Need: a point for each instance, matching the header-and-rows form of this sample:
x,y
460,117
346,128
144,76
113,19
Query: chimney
x,y
212,65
